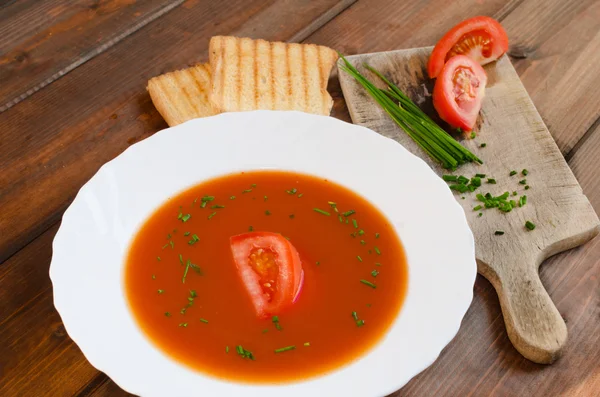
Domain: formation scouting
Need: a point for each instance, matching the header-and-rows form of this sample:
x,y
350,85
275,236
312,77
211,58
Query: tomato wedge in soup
x,y
459,91
482,39
270,269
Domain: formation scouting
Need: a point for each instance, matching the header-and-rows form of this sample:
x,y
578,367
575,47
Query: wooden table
x,y
72,96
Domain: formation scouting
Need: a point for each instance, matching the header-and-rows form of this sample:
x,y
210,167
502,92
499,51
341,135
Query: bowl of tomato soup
x,y
260,253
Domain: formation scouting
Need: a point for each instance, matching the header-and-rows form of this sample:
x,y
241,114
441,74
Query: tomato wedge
x,y
270,269
459,91
482,39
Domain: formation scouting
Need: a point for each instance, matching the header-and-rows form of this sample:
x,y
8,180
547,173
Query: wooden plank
x,y
556,46
585,163
43,140
40,41
516,139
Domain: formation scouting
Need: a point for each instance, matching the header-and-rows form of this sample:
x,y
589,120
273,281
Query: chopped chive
x,y
158,258
306,344
154,277
165,246
203,204
250,228
185,272
359,258
530,225
513,172
480,214
459,187
361,232
480,175
514,193
355,223
267,212
449,178
264,331
208,198
477,208
266,198
180,215
211,215
169,236
182,311
292,216
498,232
244,353
473,135
317,263
291,191
462,179
320,211
186,233
194,239
217,206
348,213
527,187
353,234
523,181
172,244
377,250
483,145
193,293
285,349
346,221
491,180
360,323
184,325
231,198
524,172
340,218
253,185
204,320
376,235
246,191
374,273
300,195
160,291
227,349
354,316
370,284
275,320
181,259
522,201
186,218
332,204
167,314
363,242
475,182
377,264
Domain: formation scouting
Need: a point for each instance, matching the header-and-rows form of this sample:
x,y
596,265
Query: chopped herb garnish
x,y
194,239
473,135
370,284
154,277
355,223
483,145
514,193
348,213
266,198
182,311
340,218
450,178
193,293
300,195
374,273
160,291
204,321
172,244
211,215
246,191
165,246
217,206
267,212
480,175
183,325
231,198
354,316
285,349
185,272
244,353
186,233
360,323
227,349
275,321
186,218
363,242
306,344
180,215
320,211
527,187
196,268
250,228
498,232
180,259
377,264
292,216
291,191
477,208
317,263
203,204
524,172
475,182
530,225
377,250
359,258
522,201
523,181
462,179
264,331
491,180
158,258
459,187
167,314
376,235
361,232
253,185
513,172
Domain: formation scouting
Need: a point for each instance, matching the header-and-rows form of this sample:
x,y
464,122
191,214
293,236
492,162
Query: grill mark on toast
x,y
320,76
304,76
181,84
271,66
197,82
239,73
171,113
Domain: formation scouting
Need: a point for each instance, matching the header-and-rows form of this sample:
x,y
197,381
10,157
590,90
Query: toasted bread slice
x,y
257,74
182,95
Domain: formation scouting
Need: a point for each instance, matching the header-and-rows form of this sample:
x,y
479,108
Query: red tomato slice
x,y
482,39
458,92
270,269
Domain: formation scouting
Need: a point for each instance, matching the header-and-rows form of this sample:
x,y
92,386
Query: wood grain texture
x,y
65,35
555,45
53,145
516,139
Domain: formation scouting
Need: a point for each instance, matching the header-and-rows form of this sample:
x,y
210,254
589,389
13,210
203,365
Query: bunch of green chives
x,y
436,142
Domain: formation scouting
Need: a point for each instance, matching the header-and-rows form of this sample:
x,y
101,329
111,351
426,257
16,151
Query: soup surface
x,y
185,292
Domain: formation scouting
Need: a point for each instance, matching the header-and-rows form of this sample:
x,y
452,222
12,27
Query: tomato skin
x,y
454,105
290,275
482,38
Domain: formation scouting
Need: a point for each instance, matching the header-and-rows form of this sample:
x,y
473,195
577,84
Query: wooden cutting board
x,y
516,139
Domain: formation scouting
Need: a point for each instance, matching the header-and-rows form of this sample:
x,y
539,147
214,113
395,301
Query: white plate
x,y
91,244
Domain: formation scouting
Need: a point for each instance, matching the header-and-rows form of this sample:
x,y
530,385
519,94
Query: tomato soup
x,y
186,292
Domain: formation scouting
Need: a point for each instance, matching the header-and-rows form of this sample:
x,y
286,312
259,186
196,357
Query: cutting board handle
x,y
534,325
